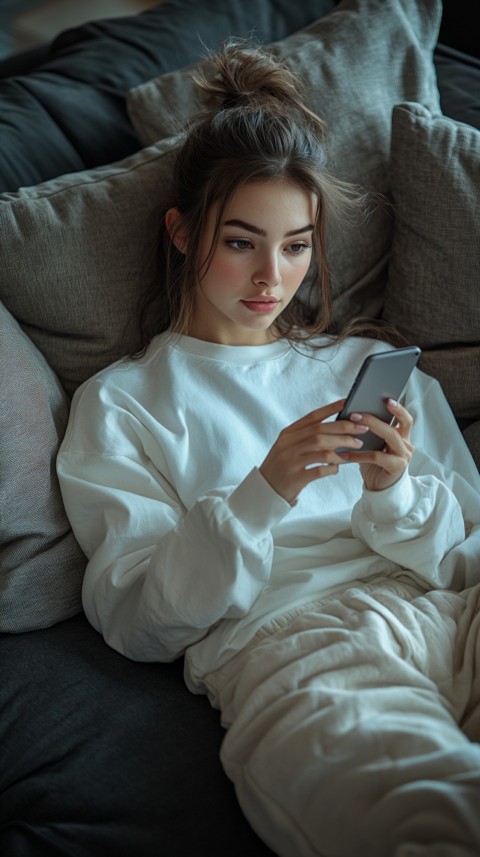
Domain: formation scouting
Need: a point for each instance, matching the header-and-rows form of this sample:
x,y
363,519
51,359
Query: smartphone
x,y
382,376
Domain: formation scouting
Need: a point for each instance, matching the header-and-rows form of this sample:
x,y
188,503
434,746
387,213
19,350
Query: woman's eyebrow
x,y
249,227
307,228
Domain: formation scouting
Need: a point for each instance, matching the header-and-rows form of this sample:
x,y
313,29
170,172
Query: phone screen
x,y
382,376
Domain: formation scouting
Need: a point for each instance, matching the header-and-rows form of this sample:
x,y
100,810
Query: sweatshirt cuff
x,y
392,503
257,505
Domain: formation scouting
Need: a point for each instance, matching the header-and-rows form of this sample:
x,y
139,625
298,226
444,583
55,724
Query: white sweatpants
x,y
352,725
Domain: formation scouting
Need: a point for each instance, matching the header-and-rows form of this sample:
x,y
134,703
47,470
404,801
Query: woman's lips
x,y
260,306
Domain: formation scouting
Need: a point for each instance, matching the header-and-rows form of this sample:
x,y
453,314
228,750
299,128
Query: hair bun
x,y
244,75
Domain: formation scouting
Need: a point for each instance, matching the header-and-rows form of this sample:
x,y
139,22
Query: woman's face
x,y
263,253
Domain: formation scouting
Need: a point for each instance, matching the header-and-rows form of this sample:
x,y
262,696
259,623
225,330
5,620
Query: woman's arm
x,y
159,576
161,570
429,521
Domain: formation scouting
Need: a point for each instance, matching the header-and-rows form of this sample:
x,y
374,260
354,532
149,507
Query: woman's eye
x,y
298,247
239,243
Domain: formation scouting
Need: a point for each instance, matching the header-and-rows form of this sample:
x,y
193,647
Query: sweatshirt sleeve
x,y
429,521
415,523
160,576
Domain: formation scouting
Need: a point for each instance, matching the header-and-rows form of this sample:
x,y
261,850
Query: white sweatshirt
x,y
191,550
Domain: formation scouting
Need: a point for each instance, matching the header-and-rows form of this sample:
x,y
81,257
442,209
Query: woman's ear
x,y
173,223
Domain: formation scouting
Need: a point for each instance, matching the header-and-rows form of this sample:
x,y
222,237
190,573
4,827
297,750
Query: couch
x,y
100,755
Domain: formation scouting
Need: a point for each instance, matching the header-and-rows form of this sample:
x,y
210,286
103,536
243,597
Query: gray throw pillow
x,y
432,294
357,63
78,253
41,564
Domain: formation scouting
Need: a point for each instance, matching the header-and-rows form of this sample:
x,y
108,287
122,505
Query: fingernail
x,y
356,418
393,403
357,441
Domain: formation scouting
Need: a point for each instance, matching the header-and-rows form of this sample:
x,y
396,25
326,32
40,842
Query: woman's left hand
x,y
383,468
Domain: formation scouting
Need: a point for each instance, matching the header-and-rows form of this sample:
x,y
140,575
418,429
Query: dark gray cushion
x,y
101,755
458,78
92,66
459,28
41,564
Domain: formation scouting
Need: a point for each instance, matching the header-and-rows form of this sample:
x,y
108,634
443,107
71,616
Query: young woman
x,y
321,600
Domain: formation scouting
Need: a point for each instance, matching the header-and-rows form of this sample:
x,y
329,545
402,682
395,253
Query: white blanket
x,y
352,724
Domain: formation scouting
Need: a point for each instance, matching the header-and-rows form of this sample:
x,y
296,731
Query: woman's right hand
x,y
305,450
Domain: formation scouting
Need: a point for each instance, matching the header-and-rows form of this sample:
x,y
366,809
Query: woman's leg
x,y
343,735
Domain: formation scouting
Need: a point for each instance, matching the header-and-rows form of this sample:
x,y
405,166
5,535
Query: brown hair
x,y
257,127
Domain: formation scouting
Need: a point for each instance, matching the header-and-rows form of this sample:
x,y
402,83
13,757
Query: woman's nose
x,y
268,272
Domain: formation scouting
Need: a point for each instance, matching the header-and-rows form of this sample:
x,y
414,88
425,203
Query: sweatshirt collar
x,y
229,353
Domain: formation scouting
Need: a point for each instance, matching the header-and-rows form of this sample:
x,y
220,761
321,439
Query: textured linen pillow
x,y
41,564
77,254
434,272
357,63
